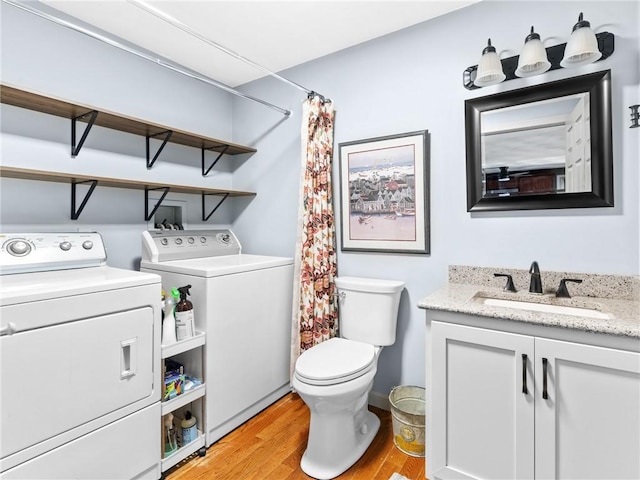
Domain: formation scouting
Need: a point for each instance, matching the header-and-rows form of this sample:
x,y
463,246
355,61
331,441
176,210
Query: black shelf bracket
x,y
147,214
224,149
76,149
206,217
167,136
75,214
554,54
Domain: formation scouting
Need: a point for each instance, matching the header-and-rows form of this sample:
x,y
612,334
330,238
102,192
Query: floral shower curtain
x,y
315,313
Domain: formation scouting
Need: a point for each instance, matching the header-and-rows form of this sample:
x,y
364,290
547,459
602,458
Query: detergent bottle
x,y
169,321
185,327
189,428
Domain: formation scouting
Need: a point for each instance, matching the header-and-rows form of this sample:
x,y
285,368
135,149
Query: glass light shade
x,y
489,69
533,58
582,47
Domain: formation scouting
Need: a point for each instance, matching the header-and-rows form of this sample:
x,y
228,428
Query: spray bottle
x,y
169,321
184,314
170,440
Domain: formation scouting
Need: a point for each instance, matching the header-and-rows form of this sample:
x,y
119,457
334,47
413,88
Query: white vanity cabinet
x,y
487,417
589,426
480,423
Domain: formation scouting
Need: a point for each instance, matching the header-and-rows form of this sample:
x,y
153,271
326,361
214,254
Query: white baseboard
x,y
380,400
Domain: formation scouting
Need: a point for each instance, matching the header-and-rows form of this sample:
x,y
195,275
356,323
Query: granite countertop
x,y
463,298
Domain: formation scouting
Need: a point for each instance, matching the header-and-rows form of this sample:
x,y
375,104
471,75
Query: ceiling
x,y
275,34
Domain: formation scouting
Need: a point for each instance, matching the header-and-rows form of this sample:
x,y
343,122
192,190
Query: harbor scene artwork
x,y
381,191
382,186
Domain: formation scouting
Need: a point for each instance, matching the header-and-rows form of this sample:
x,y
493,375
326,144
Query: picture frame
x,y
384,194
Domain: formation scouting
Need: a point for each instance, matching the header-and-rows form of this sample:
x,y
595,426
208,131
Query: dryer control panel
x,y
37,252
166,245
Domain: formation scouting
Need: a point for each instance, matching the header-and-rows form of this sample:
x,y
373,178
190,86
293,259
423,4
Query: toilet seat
x,y
334,361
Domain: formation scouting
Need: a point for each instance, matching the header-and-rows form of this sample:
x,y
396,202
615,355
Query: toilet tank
x,y
368,309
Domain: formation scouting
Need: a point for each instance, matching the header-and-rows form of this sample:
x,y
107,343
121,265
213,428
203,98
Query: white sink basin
x,y
543,307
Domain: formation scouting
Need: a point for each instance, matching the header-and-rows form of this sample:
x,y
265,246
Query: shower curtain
x,y
315,313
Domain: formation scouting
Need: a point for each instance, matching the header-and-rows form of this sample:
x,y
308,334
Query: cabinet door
x,y
589,426
481,421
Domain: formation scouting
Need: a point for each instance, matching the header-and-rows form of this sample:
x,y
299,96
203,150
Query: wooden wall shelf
x,y
61,108
46,176
92,116
74,179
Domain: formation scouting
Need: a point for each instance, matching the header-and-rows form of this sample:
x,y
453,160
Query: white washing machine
x,y
243,303
80,353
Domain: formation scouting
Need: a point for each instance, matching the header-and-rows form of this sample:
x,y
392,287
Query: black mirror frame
x,y
598,85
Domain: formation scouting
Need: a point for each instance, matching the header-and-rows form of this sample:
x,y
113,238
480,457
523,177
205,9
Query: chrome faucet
x,y
536,282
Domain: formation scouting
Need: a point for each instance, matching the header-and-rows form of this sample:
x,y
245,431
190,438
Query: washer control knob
x,y
224,238
19,248
178,241
191,240
164,241
66,246
203,239
87,244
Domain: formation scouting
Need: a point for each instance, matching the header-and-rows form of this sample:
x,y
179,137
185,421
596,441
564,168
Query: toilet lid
x,y
335,361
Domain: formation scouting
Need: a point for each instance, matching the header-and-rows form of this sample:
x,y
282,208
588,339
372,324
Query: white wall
x,y
412,80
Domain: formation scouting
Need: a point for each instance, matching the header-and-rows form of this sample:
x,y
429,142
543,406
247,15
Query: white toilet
x,y
334,378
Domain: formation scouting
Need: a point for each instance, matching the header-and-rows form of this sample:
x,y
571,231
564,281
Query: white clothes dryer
x,y
80,358
243,304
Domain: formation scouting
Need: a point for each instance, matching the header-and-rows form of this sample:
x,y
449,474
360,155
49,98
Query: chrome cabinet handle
x,y
524,374
545,394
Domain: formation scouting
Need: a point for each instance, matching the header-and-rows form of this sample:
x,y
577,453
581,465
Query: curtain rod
x,y
168,65
185,28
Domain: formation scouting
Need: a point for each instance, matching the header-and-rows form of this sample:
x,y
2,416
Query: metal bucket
x,y
408,418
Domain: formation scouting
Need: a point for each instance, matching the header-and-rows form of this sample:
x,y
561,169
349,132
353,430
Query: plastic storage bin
x,y
407,415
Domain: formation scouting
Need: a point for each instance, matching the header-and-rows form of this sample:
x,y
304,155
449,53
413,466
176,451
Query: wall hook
x,y
635,116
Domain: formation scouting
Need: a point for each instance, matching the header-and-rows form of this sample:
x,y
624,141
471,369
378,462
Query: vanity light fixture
x,y
533,58
490,68
582,47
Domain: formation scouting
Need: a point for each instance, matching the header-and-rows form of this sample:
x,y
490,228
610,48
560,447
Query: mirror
x,y
546,146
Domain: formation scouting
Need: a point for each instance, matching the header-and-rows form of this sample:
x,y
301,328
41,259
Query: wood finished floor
x,y
271,444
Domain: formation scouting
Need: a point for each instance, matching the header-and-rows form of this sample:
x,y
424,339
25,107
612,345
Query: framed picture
x,y
384,197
